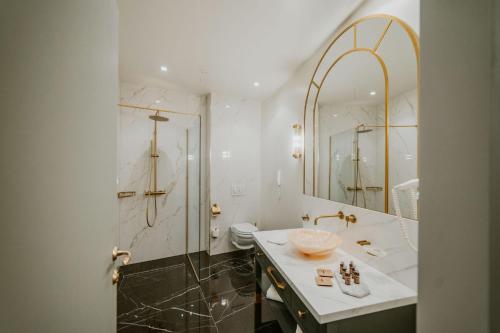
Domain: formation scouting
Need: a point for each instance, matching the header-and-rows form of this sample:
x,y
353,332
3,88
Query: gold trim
x,y
388,25
386,111
355,37
198,247
330,168
416,46
186,199
131,106
279,285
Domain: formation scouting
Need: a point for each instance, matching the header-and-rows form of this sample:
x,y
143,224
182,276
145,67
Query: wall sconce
x,y
298,146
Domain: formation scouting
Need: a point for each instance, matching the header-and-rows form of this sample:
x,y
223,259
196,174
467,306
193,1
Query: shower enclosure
x,y
159,184
356,167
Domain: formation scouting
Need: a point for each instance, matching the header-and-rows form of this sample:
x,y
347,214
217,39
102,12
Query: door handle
x,y
117,253
115,277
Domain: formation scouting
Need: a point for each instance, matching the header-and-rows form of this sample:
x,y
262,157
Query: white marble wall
x,y
167,236
402,143
235,134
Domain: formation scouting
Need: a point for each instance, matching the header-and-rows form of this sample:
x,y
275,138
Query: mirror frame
x,y
372,51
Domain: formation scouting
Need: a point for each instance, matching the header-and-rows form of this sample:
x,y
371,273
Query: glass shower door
x,y
193,196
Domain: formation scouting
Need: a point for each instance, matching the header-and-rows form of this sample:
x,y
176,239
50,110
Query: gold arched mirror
x,y
361,118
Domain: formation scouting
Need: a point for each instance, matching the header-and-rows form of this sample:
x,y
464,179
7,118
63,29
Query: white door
x,y
58,206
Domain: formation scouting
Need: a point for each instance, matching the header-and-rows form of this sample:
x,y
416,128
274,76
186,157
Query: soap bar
x,y
325,272
324,281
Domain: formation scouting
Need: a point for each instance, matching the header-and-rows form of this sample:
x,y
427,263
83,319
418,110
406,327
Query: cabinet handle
x,y
301,314
280,285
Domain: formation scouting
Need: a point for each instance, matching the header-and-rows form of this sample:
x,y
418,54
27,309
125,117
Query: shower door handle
x,y
117,253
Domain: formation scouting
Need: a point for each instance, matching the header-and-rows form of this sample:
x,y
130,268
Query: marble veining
x,y
167,236
165,297
234,161
330,304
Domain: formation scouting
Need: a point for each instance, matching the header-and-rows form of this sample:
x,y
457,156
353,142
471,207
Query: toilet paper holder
x,y
215,209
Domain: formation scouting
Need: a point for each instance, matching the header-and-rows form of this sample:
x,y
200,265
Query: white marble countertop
x,y
329,304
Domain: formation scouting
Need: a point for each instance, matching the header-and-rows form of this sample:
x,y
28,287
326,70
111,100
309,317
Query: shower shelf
x,y
154,193
368,188
126,194
349,188
374,188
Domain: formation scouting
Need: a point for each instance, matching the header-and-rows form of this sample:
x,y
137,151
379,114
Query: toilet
x,y
241,235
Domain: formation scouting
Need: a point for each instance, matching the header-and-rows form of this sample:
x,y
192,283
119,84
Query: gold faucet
x,y
340,214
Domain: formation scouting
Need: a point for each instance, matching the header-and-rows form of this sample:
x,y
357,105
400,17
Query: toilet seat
x,y
243,229
241,235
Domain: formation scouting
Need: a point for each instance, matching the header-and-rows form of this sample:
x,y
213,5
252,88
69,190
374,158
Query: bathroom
x,y
250,166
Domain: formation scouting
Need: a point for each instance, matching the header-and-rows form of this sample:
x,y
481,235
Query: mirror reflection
x,y
361,129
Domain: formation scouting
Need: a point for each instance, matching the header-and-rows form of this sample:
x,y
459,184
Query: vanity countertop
x,y
329,304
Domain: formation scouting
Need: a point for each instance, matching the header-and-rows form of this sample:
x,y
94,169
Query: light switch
x,y
238,189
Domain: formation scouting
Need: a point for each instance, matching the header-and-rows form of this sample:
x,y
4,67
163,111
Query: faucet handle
x,y
350,218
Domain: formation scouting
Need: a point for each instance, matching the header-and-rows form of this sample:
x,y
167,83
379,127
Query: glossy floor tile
x,y
164,296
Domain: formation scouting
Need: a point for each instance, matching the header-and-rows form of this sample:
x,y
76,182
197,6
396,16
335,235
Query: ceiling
x,y
224,45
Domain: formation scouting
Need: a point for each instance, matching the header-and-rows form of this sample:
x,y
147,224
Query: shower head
x,y
157,117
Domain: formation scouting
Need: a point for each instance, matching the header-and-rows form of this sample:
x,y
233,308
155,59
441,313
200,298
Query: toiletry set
x,y
348,279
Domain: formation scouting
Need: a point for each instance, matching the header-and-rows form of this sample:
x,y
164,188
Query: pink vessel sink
x,y
314,242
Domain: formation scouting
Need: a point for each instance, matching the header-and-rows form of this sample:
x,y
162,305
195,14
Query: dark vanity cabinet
x,y
397,320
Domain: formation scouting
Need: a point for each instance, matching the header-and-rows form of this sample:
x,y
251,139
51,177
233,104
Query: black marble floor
x,y
164,296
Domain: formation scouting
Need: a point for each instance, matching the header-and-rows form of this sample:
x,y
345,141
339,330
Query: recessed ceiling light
x,y
157,101
373,93
163,68
256,84
227,106
335,115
